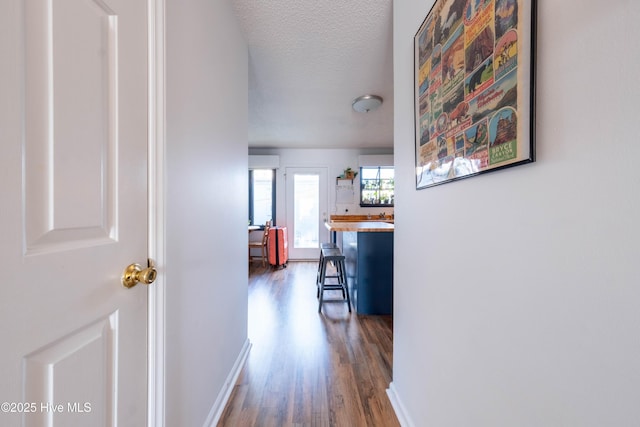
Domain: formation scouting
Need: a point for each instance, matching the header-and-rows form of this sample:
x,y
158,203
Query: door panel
x,y
306,202
71,111
73,125
66,368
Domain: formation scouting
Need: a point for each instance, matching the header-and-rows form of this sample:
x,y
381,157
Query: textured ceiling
x,y
308,60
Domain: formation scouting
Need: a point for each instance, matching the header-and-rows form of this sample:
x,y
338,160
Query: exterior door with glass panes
x,y
306,201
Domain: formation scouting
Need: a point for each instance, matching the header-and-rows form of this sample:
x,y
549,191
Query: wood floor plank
x,y
307,368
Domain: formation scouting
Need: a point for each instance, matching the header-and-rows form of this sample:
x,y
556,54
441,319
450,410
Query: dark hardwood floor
x,y
310,369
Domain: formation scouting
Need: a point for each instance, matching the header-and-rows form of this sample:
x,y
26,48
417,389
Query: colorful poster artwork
x,y
506,16
501,94
476,138
453,62
467,56
506,54
503,135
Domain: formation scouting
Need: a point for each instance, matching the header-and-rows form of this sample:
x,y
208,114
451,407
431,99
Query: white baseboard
x,y
225,393
398,407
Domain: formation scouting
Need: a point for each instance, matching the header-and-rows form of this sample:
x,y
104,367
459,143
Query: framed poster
x,y
474,89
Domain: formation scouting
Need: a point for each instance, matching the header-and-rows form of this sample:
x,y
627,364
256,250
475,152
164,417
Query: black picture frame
x,y
474,83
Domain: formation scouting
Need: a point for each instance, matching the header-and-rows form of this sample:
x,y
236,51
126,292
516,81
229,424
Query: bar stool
x,y
322,246
332,255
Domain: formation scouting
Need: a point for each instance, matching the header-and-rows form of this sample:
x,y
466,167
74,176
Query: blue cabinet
x,y
369,261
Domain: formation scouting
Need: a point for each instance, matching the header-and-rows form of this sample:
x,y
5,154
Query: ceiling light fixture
x,y
366,103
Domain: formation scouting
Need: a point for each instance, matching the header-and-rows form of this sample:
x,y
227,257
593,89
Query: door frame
x,y
156,212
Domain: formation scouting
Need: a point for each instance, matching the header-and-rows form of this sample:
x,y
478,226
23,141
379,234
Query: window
x,y
262,196
376,186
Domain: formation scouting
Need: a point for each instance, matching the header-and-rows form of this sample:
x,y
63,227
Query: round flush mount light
x,y
366,103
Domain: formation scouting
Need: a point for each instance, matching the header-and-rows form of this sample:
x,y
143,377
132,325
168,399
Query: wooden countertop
x,y
360,226
360,218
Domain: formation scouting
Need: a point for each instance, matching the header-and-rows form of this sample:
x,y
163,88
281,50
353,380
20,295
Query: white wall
x,y
206,265
336,161
517,292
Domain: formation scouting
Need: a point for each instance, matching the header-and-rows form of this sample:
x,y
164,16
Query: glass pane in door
x,y
306,202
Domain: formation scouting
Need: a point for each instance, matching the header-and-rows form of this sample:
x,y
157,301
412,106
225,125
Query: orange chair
x,y
262,244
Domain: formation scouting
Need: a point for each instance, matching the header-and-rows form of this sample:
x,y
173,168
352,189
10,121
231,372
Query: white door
x,y
73,212
306,203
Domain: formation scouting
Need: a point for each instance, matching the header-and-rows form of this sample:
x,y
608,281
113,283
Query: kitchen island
x,y
368,250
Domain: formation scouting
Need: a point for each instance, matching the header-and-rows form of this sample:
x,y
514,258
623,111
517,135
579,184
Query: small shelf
x,y
345,191
344,179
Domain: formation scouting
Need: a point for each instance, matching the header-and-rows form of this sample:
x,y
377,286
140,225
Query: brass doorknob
x,y
134,273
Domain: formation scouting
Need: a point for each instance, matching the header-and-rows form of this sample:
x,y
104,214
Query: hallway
x,y
307,369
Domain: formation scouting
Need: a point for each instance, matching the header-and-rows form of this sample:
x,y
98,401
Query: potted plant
x,y
350,173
